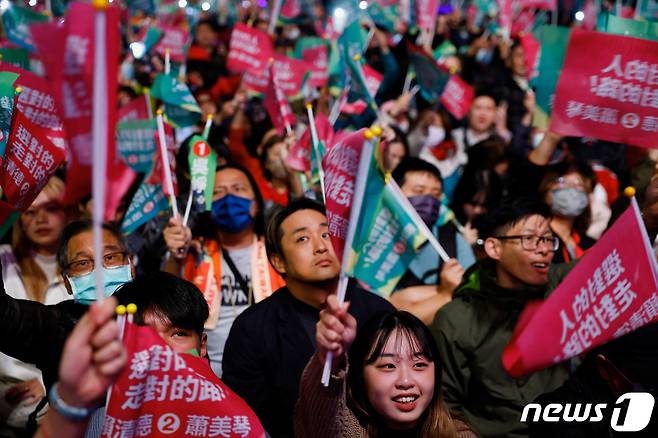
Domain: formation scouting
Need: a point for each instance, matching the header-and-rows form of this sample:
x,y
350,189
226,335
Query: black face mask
x,y
428,208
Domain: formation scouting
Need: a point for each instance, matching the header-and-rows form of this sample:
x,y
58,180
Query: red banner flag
x,y
426,11
136,109
30,159
162,393
68,55
340,165
548,5
609,293
38,104
299,156
531,49
289,74
457,97
157,175
176,40
373,81
611,94
317,58
277,105
249,49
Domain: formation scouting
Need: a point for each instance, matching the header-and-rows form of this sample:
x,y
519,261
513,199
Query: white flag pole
x,y
99,140
167,67
357,202
274,16
315,142
165,163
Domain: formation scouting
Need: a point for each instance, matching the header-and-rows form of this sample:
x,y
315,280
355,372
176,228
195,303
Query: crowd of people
x,y
250,284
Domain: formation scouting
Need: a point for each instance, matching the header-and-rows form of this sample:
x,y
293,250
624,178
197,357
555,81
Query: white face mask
x,y
435,136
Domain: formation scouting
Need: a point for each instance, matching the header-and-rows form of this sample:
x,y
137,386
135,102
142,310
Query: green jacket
x,y
471,332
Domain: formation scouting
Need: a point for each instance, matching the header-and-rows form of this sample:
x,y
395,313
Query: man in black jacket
x,y
35,333
270,343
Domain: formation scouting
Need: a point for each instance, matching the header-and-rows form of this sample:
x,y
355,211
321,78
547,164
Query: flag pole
x,y
357,203
165,163
276,10
167,67
315,141
99,136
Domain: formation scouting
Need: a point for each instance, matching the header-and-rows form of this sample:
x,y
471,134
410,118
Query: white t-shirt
x,y
10,368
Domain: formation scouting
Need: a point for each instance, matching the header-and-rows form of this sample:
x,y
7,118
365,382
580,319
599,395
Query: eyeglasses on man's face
x,y
84,266
530,242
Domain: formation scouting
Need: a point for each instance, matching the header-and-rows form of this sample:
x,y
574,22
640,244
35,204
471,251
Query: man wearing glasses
x,y
35,333
474,328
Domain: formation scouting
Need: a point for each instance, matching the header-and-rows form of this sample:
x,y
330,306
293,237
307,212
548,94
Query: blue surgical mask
x,y
232,213
84,286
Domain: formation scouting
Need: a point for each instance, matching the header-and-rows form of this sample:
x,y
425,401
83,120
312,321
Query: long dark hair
x,y
368,347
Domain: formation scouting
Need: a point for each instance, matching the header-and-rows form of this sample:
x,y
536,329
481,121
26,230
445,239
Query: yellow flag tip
x,y
19,89
357,57
100,4
160,112
376,130
309,106
368,135
209,117
629,191
131,308
120,310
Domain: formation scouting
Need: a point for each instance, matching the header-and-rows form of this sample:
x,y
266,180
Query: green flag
x,y
445,49
146,204
136,144
174,92
430,78
6,107
305,43
353,40
553,40
383,16
17,57
358,86
386,238
647,9
153,35
628,27
202,161
180,117
16,22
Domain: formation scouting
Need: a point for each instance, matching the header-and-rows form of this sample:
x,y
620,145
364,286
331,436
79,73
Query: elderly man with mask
x,y
35,333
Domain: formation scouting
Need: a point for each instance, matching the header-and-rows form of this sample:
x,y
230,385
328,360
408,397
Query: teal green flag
x,y
386,238
430,78
153,35
16,21
174,92
17,57
146,204
647,9
353,40
136,144
180,117
358,86
446,48
7,93
304,43
383,16
553,40
627,27
202,161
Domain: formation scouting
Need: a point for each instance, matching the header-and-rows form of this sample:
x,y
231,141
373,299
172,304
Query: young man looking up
x,y
473,329
271,342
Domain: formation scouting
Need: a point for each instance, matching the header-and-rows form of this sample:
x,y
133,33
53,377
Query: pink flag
x,y
291,9
176,39
611,93
317,58
426,11
157,175
277,105
531,52
136,109
250,49
610,292
340,165
457,97
373,81
290,76
299,156
548,5
30,159
161,393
